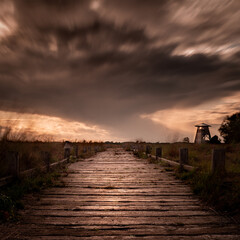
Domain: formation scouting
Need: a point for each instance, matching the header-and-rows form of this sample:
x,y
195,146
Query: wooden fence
x,y
217,161
29,172
13,159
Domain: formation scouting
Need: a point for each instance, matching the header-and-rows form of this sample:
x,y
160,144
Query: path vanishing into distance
x,y
114,195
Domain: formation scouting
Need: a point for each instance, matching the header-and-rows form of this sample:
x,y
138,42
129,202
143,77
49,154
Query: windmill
x,y
203,133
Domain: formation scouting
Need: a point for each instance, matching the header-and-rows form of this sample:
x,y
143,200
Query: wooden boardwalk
x,y
114,195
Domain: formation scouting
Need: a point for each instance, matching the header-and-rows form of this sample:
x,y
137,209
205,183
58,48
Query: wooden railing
x,y
14,162
217,162
19,174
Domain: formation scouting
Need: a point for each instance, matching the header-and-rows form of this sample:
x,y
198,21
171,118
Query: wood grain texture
x,y
117,196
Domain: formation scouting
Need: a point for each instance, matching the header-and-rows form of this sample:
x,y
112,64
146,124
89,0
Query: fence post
x,y
46,160
89,149
67,153
218,161
158,153
140,148
76,151
183,156
13,159
148,149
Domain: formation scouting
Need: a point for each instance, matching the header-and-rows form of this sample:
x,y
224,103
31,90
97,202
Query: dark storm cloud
x,y
191,22
109,63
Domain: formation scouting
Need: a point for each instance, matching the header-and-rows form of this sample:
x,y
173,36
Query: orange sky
x,y
184,119
51,128
180,120
118,70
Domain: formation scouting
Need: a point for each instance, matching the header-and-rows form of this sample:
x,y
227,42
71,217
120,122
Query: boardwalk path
x,y
117,196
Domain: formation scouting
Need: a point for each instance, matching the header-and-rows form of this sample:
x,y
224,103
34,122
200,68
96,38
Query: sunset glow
x,y
118,70
51,128
184,120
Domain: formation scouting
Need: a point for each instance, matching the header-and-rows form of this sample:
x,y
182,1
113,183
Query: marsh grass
x,y
29,154
200,155
218,191
11,195
29,151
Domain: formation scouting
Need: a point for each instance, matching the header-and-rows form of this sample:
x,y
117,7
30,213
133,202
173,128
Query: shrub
x,y
230,128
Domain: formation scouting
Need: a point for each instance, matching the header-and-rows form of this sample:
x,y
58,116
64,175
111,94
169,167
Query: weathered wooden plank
x,y
104,207
117,196
50,201
179,237
153,185
109,213
158,231
72,194
81,221
106,190
109,198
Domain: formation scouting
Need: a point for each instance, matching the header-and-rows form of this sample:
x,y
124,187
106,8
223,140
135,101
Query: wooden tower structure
x,y
203,133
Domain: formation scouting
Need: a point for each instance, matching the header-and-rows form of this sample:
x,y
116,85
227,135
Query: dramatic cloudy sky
x,y
118,69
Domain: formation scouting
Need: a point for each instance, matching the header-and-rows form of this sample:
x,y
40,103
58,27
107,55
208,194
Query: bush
x,y
215,140
230,128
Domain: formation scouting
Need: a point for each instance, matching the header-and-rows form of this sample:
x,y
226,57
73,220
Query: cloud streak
x,y
108,62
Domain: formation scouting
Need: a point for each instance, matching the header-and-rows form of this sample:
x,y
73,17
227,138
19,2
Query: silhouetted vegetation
x,y
230,128
11,195
215,140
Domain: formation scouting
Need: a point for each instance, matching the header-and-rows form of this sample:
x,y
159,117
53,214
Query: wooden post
x,y
183,156
76,151
218,161
13,160
148,149
140,148
67,153
158,153
134,148
46,160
